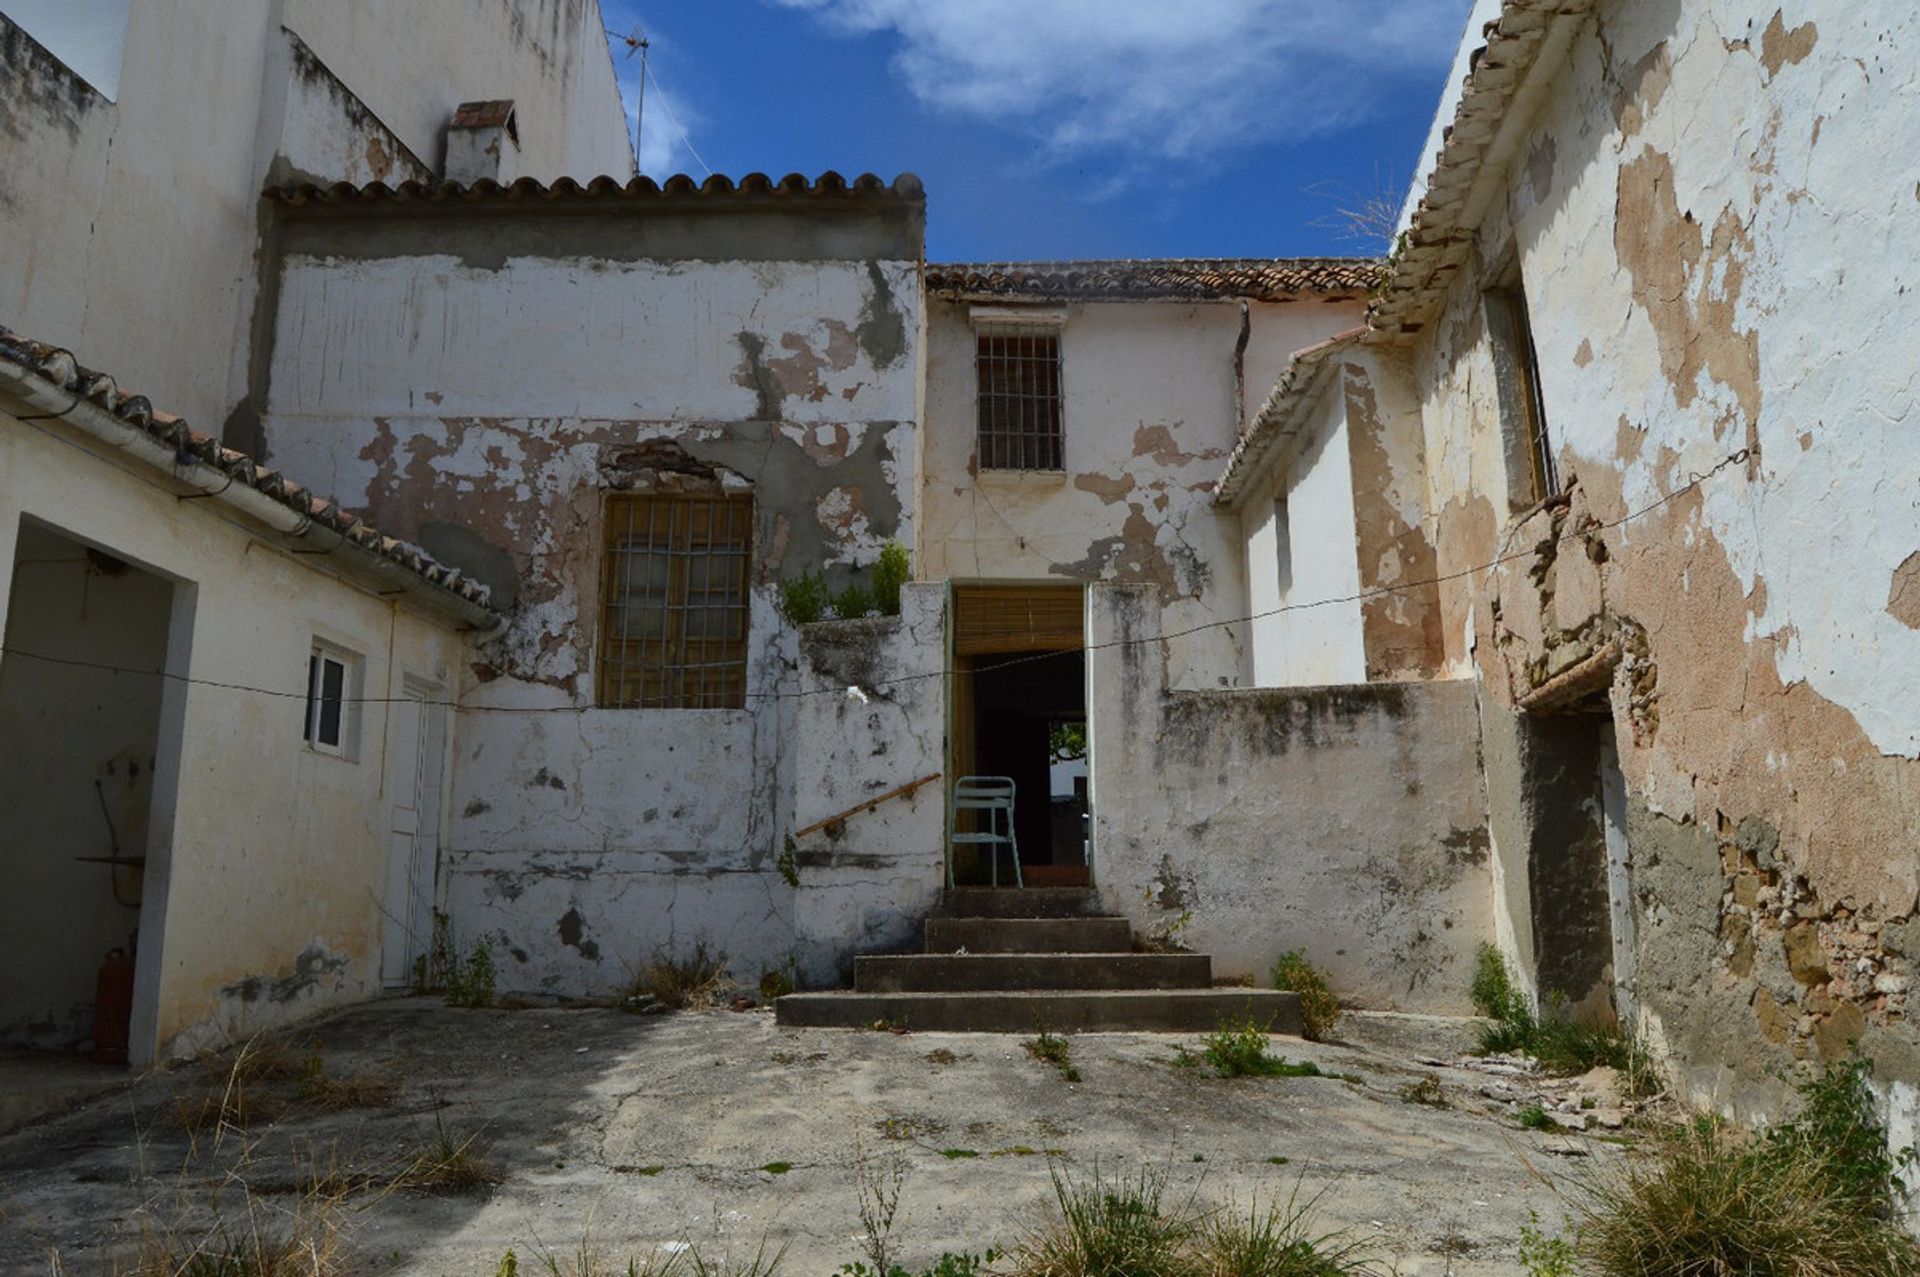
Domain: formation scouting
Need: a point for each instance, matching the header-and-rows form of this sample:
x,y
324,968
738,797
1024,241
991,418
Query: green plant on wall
x,y
890,572
853,603
805,599
1066,741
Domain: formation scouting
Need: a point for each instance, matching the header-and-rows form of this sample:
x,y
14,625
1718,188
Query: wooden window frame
x,y
1019,371
688,649
1532,475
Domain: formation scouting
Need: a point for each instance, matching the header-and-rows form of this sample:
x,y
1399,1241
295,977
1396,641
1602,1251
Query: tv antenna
x,y
637,43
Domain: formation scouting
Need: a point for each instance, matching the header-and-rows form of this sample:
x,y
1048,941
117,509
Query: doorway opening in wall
x,y
416,766
1019,710
1579,866
80,809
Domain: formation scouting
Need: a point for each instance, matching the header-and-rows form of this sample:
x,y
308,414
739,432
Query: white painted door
x,y
416,749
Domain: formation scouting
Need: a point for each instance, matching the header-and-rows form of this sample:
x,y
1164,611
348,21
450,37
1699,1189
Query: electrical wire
x,y
666,104
1694,480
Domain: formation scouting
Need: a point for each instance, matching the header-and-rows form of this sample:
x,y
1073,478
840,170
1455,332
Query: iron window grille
x,y
673,631
1017,370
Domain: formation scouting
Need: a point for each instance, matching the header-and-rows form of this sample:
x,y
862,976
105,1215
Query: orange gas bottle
x,y
113,1007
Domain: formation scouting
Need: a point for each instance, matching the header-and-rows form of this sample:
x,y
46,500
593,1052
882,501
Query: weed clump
x,y
1240,1050
1319,1009
695,981
1562,1046
1129,1226
804,598
1051,1048
449,1164
853,603
1819,1195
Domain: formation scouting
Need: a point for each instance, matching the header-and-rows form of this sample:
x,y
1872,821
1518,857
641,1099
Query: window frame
x,y
992,438
627,675
1532,474
320,654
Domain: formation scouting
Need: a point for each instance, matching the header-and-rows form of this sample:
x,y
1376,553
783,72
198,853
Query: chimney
x,y
483,140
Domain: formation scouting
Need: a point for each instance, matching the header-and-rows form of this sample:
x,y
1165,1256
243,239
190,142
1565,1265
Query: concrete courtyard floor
x,y
719,1129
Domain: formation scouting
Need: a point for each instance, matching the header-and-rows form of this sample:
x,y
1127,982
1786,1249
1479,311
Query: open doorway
x,y
1578,862
1020,711
81,705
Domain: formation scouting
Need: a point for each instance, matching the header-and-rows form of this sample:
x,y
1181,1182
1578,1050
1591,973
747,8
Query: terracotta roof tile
x,y
1203,278
1277,418
193,447
905,188
1438,241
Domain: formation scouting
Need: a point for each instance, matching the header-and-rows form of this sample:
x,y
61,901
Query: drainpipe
x,y
90,419
1240,369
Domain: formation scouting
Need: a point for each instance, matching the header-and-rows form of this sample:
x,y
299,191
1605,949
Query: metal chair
x,y
994,796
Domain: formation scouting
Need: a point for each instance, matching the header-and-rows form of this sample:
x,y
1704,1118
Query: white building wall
x,y
1149,417
143,213
1322,642
266,859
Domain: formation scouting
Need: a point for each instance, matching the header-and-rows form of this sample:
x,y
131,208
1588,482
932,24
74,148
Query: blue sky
x,y
1061,128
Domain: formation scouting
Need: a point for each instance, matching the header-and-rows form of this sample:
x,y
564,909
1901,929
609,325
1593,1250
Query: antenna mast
x,y
637,42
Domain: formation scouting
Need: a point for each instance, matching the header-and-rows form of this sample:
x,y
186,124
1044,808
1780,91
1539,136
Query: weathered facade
x,y
228,704
1658,371
488,373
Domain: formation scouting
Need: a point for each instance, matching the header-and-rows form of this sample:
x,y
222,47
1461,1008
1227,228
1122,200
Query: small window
x,y
1282,549
1531,475
673,631
333,706
1018,373
87,35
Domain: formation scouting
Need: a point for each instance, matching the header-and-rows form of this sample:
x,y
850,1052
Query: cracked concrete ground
x,y
636,1132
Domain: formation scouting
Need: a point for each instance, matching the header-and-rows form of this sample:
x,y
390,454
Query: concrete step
x,y
1005,972
1029,935
1062,1011
1016,902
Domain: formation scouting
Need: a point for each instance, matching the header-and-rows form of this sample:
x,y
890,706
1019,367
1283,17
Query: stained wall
x,y
480,381
1730,305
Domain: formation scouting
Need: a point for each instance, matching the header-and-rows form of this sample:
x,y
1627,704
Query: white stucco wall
x,y
485,397
1322,643
1148,418
1347,822
261,894
142,214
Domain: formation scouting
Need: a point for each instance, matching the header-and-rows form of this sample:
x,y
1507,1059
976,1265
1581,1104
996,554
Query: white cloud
x,y
1162,79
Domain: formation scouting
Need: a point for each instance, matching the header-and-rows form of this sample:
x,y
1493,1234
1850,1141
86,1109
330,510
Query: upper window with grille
x,y
673,631
1017,367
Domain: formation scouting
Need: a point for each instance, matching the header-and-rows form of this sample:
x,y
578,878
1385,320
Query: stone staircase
x,y
1017,961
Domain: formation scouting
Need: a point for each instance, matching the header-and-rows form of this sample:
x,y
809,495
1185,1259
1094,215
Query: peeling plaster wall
x,y
1696,291
866,883
1148,418
141,216
266,859
483,397
1345,821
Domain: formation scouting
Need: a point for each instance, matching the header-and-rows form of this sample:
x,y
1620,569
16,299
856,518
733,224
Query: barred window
x,y
673,633
1018,371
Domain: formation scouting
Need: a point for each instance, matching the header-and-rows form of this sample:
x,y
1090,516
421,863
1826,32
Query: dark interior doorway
x,y
77,796
1019,710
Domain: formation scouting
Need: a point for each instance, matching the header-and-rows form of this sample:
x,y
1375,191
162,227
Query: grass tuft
x,y
1319,1009
1819,1196
1240,1050
1562,1046
1278,1241
1051,1048
448,1164
694,981
1101,1226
